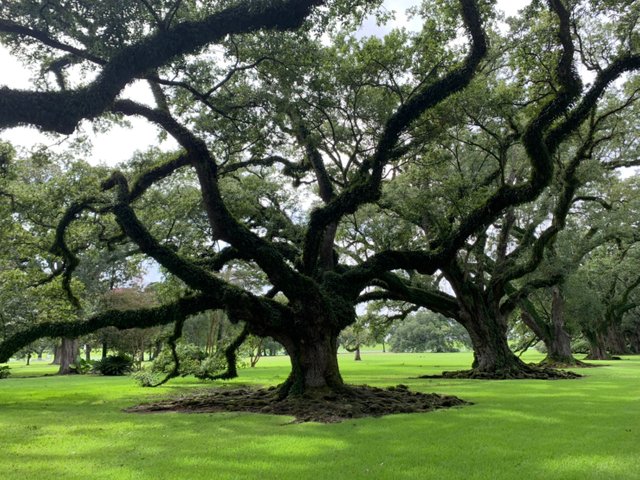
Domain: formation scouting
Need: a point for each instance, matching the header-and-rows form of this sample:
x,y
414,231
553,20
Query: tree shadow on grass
x,y
517,429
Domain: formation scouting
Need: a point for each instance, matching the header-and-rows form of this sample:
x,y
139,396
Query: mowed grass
x,y
74,428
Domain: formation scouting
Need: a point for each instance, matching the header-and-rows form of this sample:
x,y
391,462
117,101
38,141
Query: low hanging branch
x,y
175,336
231,357
122,320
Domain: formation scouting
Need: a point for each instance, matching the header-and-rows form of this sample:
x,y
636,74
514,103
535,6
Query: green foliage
x,y
4,371
86,366
146,378
193,361
428,332
114,365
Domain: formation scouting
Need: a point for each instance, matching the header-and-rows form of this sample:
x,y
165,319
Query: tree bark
x,y
69,355
492,356
597,346
634,342
314,363
616,343
56,355
357,357
558,340
87,352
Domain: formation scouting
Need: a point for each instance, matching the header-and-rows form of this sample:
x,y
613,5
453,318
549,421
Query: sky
x,y
119,143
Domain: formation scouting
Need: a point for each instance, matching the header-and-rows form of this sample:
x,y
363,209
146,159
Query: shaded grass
x,y
565,429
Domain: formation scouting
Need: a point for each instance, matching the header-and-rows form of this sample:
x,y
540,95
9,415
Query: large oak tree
x,y
280,90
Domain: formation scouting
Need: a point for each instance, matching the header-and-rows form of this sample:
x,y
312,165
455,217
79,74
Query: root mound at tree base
x,y
574,364
325,407
533,372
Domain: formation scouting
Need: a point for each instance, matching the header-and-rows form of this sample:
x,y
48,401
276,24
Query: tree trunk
x,y
634,341
157,348
314,363
212,334
616,343
597,346
68,356
255,356
87,352
56,355
357,357
105,350
29,358
558,342
555,337
492,356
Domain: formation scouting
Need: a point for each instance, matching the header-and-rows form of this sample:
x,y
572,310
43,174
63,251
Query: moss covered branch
x,y
142,318
62,111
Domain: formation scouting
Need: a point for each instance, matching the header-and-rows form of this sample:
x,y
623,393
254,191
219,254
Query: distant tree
x,y
426,331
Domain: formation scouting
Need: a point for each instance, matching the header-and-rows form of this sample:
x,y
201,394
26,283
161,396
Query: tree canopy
x,y
329,168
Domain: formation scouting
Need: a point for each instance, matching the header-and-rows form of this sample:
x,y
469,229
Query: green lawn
x,y
73,428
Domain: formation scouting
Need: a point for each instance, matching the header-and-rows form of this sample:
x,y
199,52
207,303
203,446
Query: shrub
x,y
114,365
83,366
5,371
210,366
193,361
580,345
146,378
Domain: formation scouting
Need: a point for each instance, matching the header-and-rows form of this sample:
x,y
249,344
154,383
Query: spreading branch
x,y
62,111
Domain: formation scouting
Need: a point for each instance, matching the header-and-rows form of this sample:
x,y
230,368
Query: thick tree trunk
x,y
555,337
357,356
87,352
558,340
491,352
616,343
314,363
68,356
492,356
597,346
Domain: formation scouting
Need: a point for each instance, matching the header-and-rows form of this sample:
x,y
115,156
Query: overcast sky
x,y
120,143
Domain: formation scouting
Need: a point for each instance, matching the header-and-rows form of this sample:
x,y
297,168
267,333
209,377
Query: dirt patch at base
x,y
576,364
532,372
328,407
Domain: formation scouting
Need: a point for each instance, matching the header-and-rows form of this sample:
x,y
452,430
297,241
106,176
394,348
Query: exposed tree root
x,y
602,357
320,406
531,372
574,363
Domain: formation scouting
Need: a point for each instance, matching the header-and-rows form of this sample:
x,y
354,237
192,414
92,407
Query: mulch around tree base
x,y
576,364
327,407
532,373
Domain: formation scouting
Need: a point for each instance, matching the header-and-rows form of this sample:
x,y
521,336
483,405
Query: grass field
x,y
73,428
